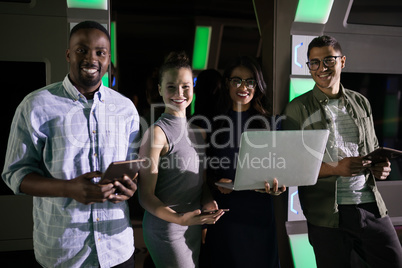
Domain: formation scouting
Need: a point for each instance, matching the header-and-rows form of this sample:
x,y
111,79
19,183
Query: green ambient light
x,y
313,11
113,48
92,4
299,86
201,47
302,251
105,79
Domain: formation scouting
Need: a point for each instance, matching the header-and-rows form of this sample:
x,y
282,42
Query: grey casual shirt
x,y
319,202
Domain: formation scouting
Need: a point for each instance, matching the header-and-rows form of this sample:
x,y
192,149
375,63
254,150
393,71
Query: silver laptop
x,y
294,157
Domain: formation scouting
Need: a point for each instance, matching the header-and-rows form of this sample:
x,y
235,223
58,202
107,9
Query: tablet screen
x,y
382,153
118,169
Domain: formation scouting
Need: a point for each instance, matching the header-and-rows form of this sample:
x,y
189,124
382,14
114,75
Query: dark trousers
x,y
130,263
363,239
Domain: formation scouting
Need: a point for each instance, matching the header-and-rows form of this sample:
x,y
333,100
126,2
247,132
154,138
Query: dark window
x,y
384,91
374,12
18,79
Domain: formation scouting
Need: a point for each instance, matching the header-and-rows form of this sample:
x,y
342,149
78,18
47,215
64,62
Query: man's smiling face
x,y
327,78
89,58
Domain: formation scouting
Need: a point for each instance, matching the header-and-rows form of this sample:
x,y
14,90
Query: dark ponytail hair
x,y
174,60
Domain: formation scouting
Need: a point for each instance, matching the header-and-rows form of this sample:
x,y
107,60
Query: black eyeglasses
x,y
330,61
236,82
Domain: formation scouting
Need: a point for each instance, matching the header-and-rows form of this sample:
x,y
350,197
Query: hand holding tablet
x,y
118,169
381,154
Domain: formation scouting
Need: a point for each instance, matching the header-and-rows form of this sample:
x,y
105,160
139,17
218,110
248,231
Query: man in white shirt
x,y
62,137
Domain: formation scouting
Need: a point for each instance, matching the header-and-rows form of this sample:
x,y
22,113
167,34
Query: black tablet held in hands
x,y
381,154
118,169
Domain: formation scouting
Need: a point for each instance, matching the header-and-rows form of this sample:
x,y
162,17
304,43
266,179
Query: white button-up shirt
x,y
58,133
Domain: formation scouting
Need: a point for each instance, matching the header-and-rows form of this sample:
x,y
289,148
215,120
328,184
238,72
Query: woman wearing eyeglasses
x,y
246,236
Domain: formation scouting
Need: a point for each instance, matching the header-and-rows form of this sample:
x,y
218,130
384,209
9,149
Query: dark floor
x,y
26,259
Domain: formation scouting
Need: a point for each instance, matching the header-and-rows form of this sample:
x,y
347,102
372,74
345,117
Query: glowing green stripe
x,y
299,86
201,47
313,11
92,4
113,48
105,79
302,251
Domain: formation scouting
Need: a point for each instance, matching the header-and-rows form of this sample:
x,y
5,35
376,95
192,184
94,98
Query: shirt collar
x,y
322,98
74,94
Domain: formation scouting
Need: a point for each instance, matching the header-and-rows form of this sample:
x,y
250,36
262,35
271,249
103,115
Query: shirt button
x,y
97,219
95,154
93,131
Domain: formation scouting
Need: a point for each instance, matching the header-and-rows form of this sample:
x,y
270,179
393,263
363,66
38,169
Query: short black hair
x,y
89,25
324,41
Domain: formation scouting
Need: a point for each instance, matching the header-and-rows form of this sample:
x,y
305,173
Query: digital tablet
x,y
117,169
382,153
